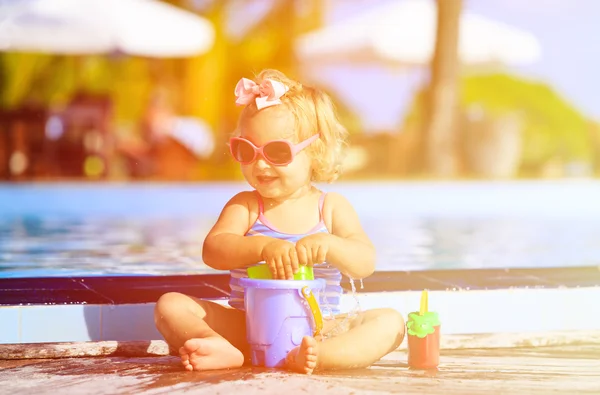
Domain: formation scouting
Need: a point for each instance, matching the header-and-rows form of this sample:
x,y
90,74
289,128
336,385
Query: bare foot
x,y
303,359
210,353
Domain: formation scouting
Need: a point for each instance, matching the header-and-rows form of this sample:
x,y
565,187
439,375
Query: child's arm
x,y
225,246
347,247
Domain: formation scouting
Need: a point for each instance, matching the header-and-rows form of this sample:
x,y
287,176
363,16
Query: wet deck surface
x,y
542,370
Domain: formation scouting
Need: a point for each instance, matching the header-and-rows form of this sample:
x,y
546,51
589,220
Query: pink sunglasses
x,y
276,152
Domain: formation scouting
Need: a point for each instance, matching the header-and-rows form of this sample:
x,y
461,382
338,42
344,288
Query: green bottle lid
x,y
262,272
422,325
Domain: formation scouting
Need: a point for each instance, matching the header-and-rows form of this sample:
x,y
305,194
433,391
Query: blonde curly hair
x,y
313,113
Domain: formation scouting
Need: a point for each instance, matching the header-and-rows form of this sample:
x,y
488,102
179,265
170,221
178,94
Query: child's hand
x,y
313,249
280,256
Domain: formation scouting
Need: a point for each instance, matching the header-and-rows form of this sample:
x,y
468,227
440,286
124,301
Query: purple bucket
x,y
279,313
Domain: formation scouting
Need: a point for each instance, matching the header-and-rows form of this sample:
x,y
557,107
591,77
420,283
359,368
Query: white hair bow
x,y
266,94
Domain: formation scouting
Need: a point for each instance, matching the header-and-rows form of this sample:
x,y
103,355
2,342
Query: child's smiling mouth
x,y
266,179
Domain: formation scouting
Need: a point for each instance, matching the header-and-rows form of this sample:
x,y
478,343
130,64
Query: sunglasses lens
x,y
278,152
242,151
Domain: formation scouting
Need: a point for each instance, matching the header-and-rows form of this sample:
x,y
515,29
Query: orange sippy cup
x,y
423,328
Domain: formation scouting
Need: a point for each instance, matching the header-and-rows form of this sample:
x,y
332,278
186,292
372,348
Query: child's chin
x,y
268,192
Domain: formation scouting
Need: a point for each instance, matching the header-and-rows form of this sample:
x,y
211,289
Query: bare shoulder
x,y
250,199
339,215
238,214
337,202
244,198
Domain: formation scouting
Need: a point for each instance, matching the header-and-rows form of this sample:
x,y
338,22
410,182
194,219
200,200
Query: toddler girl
x,y
288,137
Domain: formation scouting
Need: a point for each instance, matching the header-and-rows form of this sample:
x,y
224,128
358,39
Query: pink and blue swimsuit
x,y
329,299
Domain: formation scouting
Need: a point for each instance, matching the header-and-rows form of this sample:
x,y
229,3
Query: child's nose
x,y
261,163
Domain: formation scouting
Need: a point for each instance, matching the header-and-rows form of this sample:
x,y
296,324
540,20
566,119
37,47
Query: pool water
x,y
101,229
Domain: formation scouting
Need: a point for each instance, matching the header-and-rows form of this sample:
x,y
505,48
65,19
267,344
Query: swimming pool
x,y
158,229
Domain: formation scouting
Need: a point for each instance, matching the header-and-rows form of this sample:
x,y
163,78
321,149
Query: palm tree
x,y
442,97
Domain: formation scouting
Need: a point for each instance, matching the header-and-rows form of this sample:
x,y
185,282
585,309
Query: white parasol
x,y
137,27
404,32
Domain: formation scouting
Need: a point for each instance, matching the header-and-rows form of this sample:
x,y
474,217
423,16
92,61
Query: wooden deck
x,y
539,370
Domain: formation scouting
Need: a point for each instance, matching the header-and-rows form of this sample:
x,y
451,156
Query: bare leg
x,y
206,334
372,335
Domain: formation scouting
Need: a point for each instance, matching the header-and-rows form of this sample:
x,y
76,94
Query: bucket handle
x,y
314,309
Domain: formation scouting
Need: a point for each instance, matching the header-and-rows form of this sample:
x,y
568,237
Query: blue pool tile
x,y
9,325
60,323
129,322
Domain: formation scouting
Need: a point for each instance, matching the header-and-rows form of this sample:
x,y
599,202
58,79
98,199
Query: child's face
x,y
271,181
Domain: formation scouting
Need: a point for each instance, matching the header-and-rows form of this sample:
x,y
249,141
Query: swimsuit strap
x,y
321,202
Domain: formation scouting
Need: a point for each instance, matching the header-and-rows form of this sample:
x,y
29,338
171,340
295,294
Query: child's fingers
x,y
314,254
310,255
319,254
287,267
279,269
272,266
294,260
302,254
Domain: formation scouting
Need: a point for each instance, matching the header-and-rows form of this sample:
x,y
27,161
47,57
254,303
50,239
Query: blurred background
x,y
143,90
473,122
